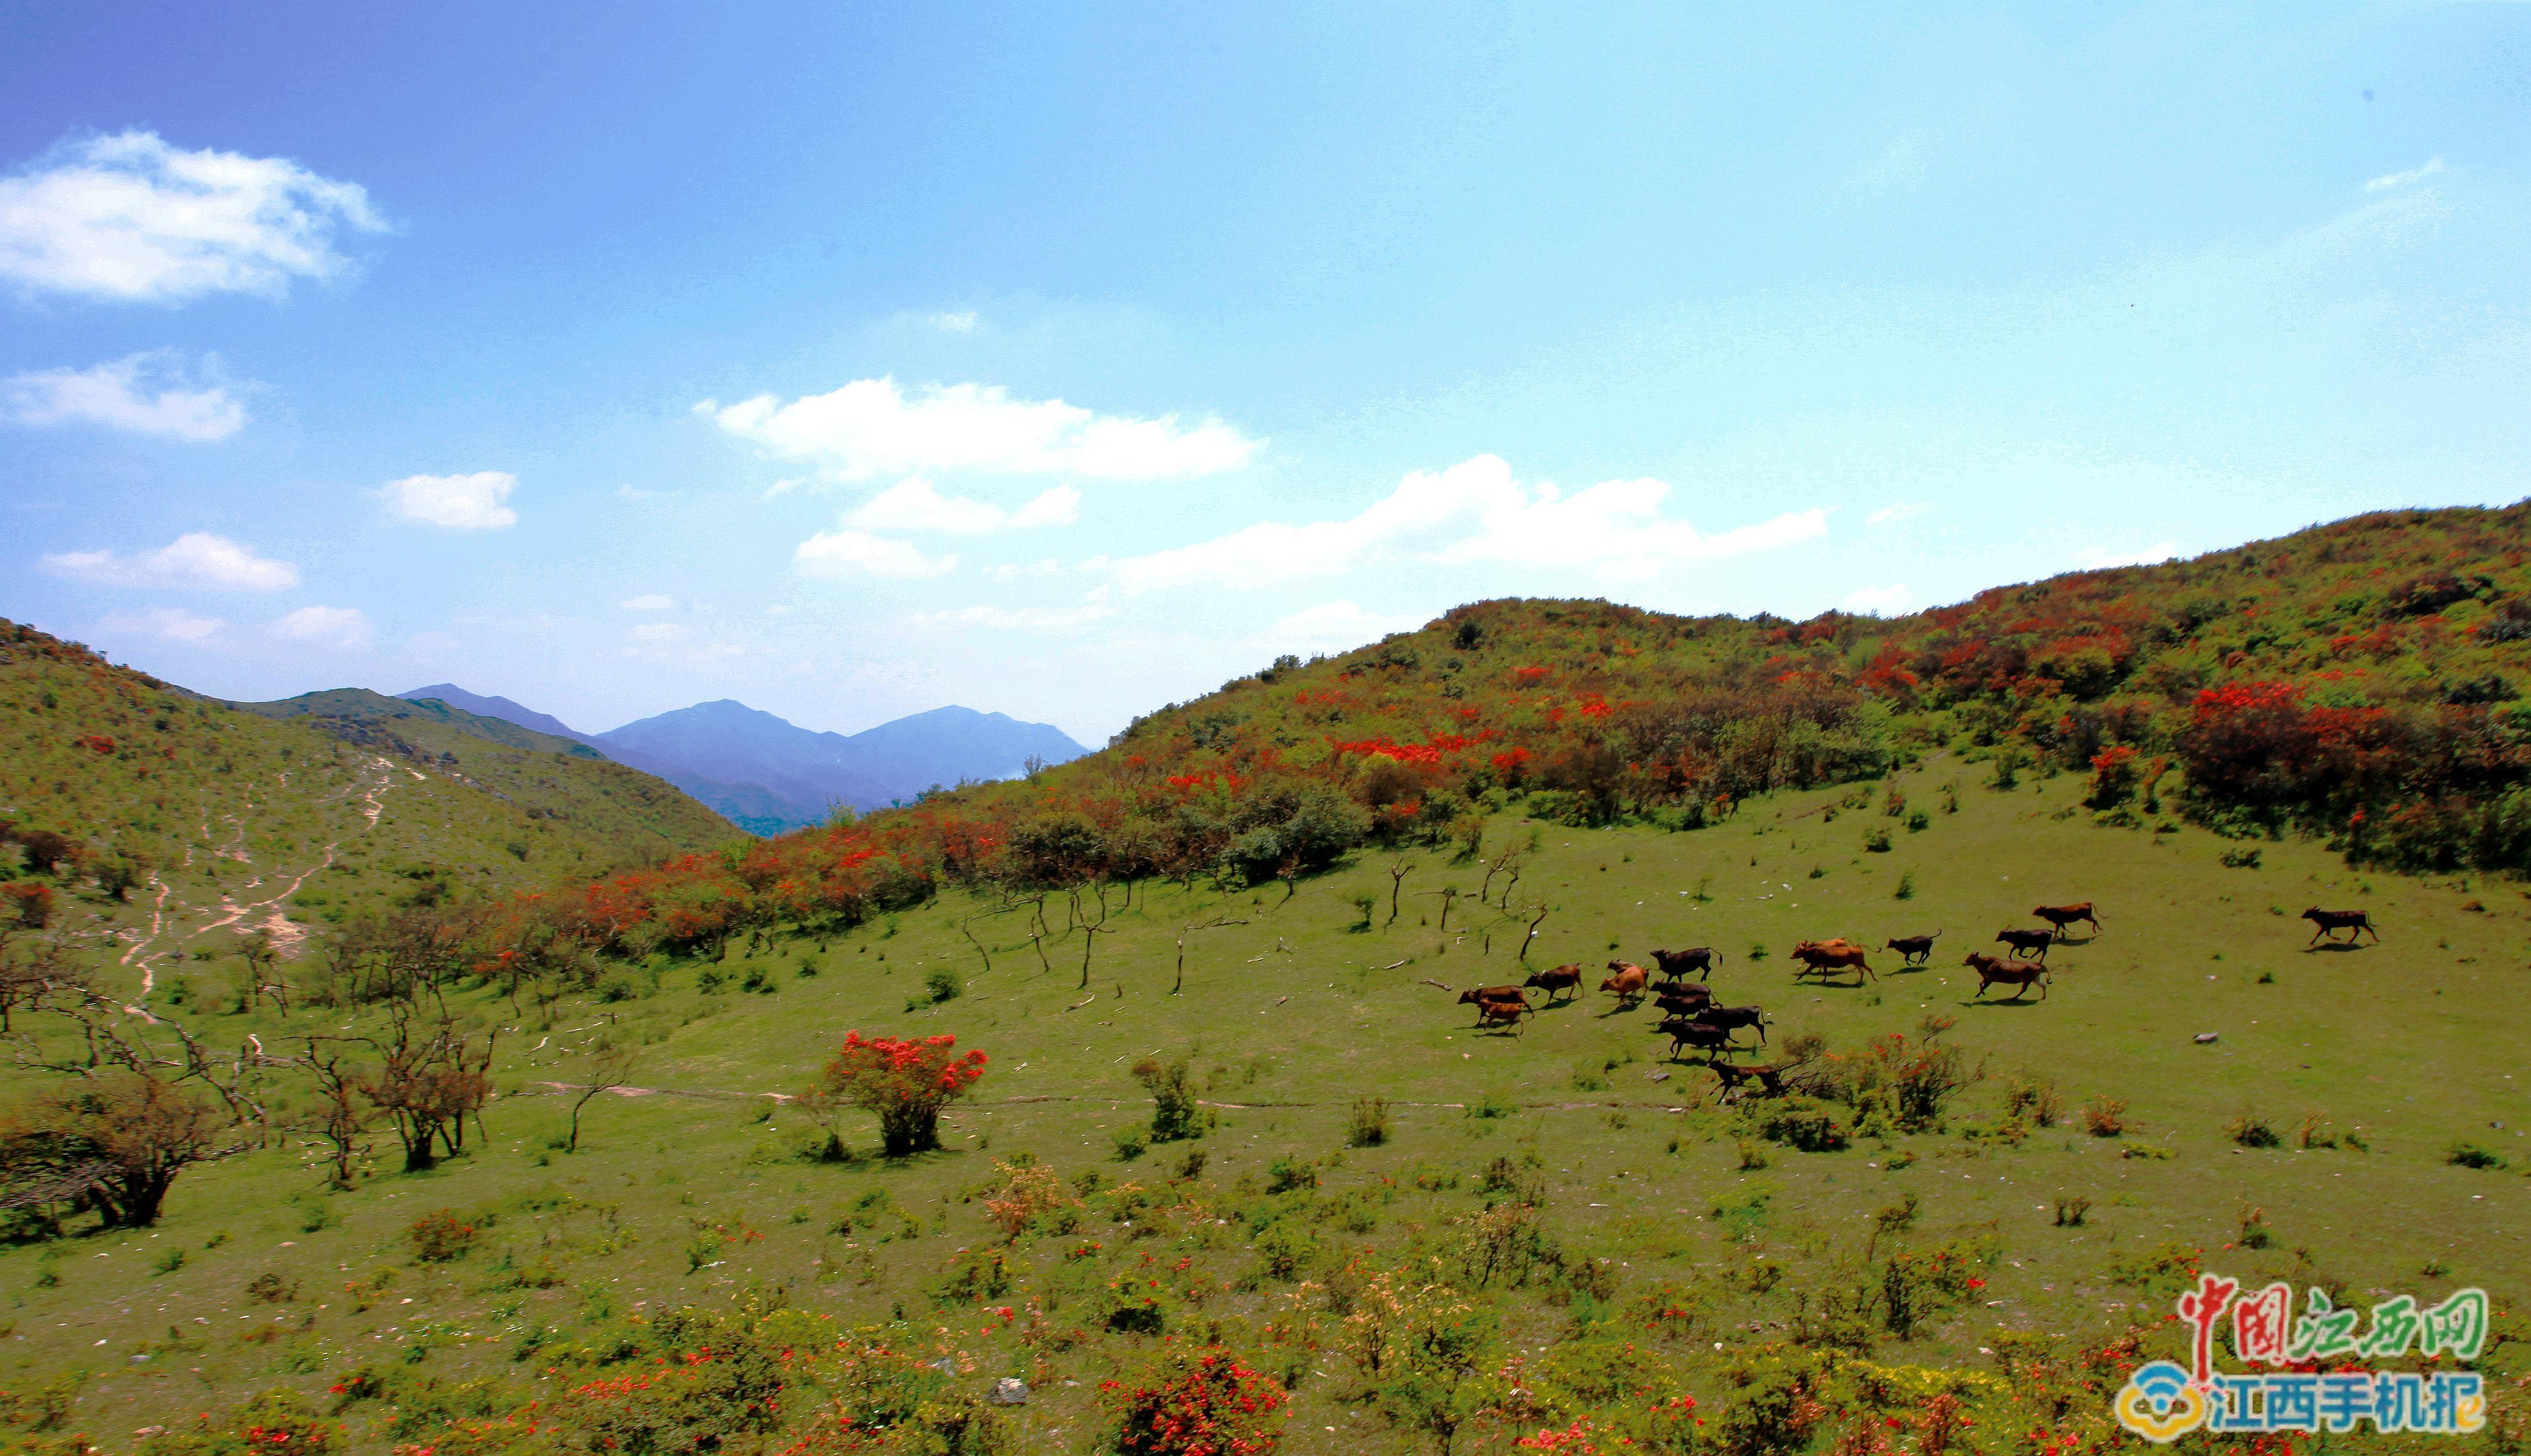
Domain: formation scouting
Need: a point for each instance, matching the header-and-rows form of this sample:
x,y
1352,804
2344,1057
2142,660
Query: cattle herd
x,y
1691,1017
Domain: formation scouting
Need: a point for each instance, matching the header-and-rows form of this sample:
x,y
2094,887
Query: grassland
x,y
706,1186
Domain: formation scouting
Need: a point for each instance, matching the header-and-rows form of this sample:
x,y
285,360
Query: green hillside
x,y
1233,1104
177,815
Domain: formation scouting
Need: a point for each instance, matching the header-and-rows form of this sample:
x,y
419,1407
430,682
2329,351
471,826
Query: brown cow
x,y
1913,950
1771,1080
2028,942
1481,993
1492,1013
1566,979
1820,957
1997,971
1628,984
2329,923
1675,964
2061,916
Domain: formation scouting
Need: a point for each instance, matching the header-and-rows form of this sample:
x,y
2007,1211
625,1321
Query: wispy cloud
x,y
913,504
154,393
1332,627
2384,183
648,602
1474,512
129,217
1879,601
1892,515
326,627
871,427
168,624
457,502
1023,619
961,322
858,553
197,559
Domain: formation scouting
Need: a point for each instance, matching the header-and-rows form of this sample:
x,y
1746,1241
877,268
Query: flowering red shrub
x,y
32,902
1197,1403
906,1083
437,1238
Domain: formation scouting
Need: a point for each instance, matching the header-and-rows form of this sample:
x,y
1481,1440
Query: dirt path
x,y
713,1095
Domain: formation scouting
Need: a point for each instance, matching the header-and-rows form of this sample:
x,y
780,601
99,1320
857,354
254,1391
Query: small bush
x,y
269,1288
1906,887
440,1237
2250,1130
2241,859
1130,1144
2035,1099
941,985
1368,1126
169,1260
1918,821
2471,1155
2070,1212
1176,1115
2253,1231
1289,1173
2105,1117
1877,842
1805,1124
1192,1402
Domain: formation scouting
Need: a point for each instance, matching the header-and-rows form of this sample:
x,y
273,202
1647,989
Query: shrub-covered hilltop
x,y
1133,1108
262,815
2358,682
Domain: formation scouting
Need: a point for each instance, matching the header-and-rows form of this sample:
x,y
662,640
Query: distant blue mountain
x,y
766,776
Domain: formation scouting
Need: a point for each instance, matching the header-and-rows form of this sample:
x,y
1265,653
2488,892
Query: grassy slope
x,y
242,818
2417,1042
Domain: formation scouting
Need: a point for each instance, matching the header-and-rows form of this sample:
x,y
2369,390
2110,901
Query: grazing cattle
x,y
2329,923
1913,950
1685,1000
1504,1013
1769,1079
2061,916
1684,1032
1675,964
1733,1018
1819,957
1566,979
1628,984
2028,942
1997,971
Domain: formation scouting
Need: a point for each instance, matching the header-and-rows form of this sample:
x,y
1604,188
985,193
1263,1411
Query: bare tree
x,y
1398,869
604,1066
1215,924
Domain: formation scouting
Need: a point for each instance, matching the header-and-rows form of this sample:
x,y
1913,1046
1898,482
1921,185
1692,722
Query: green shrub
x,y
2471,1155
1368,1126
441,1237
941,985
1804,1124
1176,1114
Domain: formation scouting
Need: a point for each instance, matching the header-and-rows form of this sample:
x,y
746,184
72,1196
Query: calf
x,y
2329,923
1675,964
1628,984
1565,979
2028,942
1504,1013
1997,971
1684,1031
1914,950
1769,1079
2061,916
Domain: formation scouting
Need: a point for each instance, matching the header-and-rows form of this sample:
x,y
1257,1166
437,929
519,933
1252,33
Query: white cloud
x,y
167,623
1044,567
1892,515
145,393
1879,601
1472,512
129,217
1332,627
648,602
2097,558
1023,619
912,504
2431,166
458,502
326,627
657,634
962,322
870,427
845,553
197,559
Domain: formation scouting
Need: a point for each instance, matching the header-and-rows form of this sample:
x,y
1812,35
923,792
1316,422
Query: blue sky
x,y
1067,363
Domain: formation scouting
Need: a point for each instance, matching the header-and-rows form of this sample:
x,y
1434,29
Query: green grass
x,y
690,1194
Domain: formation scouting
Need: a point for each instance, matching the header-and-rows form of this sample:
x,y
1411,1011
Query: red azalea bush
x,y
906,1083
1197,1403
